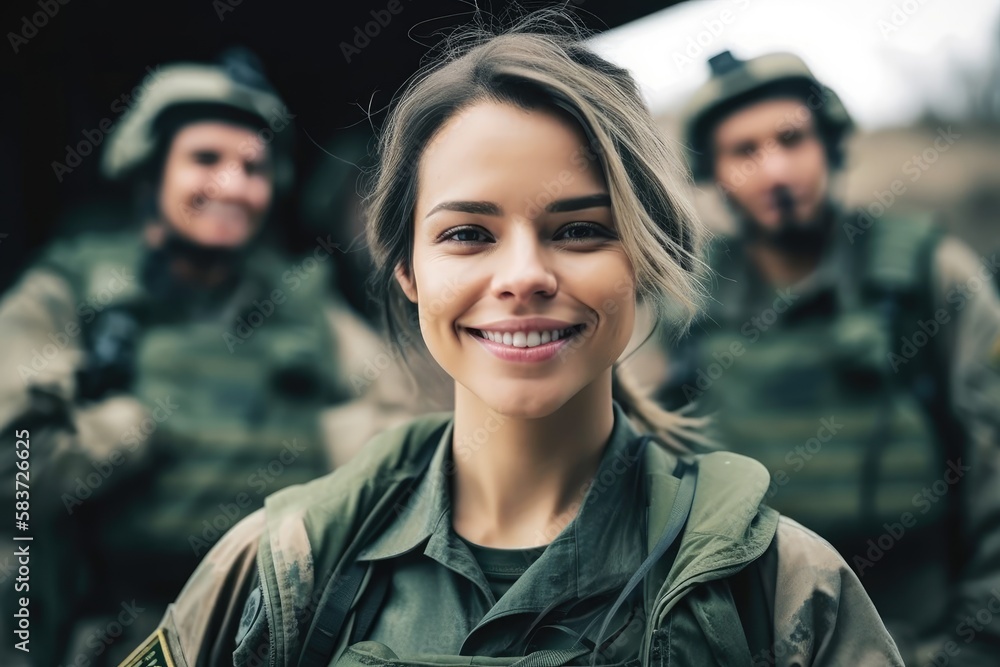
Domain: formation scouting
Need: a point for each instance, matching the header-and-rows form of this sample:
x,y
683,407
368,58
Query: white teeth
x,y
526,338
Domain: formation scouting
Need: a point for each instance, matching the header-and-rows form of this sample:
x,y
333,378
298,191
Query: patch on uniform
x,y
251,610
152,653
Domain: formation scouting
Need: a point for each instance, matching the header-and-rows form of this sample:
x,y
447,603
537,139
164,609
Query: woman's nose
x,y
524,268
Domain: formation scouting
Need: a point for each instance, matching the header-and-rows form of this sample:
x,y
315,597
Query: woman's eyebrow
x,y
489,208
578,203
472,207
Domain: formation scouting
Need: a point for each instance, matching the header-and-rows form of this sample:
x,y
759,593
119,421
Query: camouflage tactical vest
x,y
233,391
807,385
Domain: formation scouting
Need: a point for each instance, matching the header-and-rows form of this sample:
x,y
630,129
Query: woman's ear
x,y
406,282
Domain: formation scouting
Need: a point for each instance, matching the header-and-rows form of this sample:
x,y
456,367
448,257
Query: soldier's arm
x,y
970,349
822,614
43,347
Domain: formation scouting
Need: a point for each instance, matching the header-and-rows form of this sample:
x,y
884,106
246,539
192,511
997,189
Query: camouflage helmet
x,y
734,83
234,89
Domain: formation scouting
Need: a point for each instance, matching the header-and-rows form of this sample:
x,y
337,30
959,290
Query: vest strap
x,y
330,617
678,517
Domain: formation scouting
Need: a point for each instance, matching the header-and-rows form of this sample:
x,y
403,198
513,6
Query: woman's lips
x,y
515,346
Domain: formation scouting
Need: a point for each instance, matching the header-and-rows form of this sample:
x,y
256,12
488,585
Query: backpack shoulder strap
x,y
754,589
342,588
679,512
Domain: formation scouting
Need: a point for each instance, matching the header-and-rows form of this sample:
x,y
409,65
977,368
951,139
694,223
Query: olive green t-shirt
x,y
501,567
445,597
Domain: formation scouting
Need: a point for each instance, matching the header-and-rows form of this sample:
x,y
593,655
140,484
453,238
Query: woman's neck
x,y
518,482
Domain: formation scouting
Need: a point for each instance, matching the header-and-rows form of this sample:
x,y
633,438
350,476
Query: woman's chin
x,y
524,405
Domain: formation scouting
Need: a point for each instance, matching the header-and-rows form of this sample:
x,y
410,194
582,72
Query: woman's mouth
x,y
527,339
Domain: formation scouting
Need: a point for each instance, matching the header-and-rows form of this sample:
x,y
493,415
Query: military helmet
x,y
234,90
734,83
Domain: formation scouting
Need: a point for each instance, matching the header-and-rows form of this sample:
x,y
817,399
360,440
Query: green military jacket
x,y
307,534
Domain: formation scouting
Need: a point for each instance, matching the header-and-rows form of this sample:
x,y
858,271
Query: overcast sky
x,y
889,60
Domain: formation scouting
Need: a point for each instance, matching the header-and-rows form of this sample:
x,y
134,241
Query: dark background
x,y
64,80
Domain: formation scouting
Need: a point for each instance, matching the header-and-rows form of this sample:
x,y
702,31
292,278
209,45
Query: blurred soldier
x,y
170,378
855,356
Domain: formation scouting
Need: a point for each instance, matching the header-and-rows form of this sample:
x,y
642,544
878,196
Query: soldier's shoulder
x,y
99,243
810,568
956,263
74,256
798,546
820,602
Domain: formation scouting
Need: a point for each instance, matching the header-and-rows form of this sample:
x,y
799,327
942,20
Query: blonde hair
x,y
541,65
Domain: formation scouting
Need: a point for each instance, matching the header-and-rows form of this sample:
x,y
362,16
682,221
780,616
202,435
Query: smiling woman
x,y
535,525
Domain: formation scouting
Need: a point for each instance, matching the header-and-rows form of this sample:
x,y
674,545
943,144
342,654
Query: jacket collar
x,y
598,550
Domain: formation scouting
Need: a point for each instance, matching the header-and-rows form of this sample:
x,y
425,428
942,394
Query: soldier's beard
x,y
791,235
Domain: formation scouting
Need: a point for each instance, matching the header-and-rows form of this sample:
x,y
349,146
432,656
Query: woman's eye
x,y
465,235
255,168
584,231
206,157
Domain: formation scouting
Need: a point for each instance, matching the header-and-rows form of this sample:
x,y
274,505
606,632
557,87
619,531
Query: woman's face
x,y
525,294
217,184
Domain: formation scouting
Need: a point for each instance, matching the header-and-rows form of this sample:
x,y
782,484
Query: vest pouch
x,y
847,443
860,344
